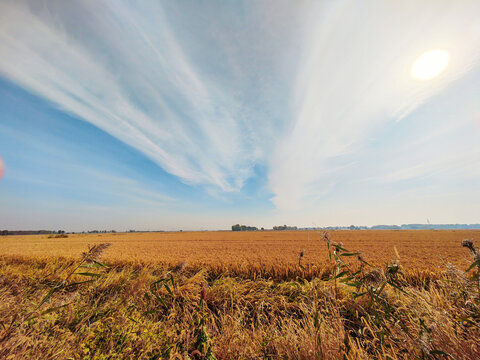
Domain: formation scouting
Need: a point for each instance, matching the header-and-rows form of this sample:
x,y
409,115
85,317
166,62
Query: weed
x,y
350,309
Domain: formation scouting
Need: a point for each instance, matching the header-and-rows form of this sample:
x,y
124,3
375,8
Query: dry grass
x,y
246,251
190,305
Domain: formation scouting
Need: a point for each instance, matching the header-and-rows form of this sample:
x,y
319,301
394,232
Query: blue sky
x,y
197,115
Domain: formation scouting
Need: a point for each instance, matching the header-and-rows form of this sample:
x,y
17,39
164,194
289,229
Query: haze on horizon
x,y
187,115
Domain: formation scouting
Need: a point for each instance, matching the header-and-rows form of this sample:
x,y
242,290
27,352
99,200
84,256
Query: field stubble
x,y
240,296
266,253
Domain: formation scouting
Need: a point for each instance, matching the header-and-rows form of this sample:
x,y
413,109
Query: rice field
x,y
416,249
241,295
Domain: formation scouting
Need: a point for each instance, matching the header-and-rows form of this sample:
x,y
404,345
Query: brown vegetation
x,y
274,252
326,303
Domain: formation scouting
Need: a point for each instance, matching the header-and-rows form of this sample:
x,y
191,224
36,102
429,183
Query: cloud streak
x,y
210,92
355,78
122,69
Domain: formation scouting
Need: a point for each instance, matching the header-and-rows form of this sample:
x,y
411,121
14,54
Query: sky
x,y
195,115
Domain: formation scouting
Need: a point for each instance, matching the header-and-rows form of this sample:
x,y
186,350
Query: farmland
x,y
417,249
240,295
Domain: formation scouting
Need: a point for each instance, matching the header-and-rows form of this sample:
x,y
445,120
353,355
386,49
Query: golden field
x,y
241,295
418,249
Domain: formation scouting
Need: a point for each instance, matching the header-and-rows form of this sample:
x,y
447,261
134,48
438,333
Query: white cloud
x,y
300,87
355,78
122,69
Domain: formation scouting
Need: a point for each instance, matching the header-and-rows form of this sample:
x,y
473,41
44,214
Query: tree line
x,y
238,227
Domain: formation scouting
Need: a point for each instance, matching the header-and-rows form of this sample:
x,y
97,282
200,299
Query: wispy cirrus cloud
x,y
211,91
355,79
122,68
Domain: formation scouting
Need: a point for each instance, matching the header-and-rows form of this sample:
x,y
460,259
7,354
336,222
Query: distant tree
x,y
238,227
285,227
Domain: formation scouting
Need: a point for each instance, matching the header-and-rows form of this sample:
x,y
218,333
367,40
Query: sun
x,y
430,64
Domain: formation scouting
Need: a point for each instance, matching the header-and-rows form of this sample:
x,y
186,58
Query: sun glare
x,y
1,168
430,64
